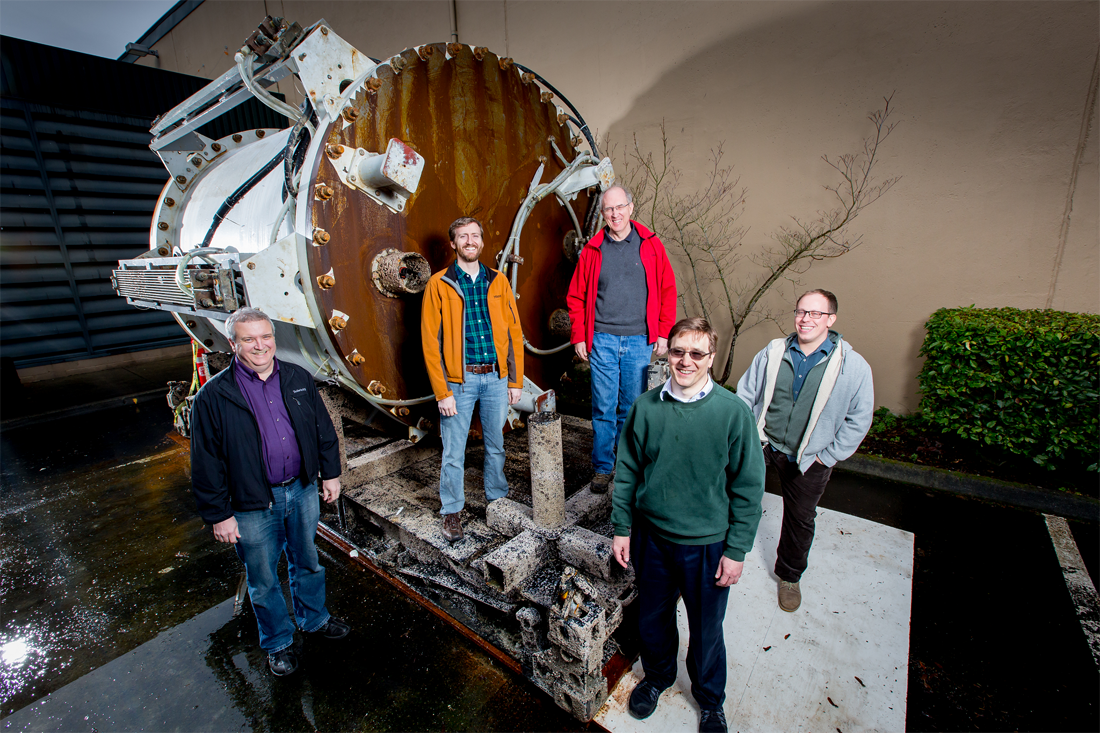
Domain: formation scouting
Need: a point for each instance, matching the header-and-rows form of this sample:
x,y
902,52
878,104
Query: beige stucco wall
x,y
990,96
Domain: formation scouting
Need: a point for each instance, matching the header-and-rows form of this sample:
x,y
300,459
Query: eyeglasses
x,y
812,314
695,355
612,209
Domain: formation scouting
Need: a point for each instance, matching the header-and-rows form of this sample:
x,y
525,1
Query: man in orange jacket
x,y
473,348
622,303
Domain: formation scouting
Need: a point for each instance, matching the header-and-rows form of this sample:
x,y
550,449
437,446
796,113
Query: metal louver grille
x,y
78,185
156,286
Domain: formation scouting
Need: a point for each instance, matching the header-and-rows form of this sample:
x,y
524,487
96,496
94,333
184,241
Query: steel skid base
x,y
533,580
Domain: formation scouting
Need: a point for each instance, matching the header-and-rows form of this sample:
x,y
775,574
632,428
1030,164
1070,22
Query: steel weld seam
x,y
1081,590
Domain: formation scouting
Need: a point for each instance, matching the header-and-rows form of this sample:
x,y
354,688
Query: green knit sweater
x,y
694,471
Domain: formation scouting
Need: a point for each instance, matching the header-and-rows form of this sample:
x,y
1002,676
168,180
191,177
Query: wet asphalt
x,y
114,610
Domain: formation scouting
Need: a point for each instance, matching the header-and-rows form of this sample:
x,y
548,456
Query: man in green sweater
x,y
686,504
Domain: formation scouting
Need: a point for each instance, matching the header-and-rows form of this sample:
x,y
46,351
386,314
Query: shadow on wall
x,y
789,91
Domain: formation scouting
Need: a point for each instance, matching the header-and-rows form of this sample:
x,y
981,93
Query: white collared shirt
x,y
667,389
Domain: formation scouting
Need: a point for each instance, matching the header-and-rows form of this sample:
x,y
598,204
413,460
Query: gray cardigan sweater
x,y
842,410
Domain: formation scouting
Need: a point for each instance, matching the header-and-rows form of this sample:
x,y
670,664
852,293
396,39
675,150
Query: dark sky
x,y
97,27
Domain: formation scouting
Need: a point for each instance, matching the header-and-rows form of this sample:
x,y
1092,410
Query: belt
x,y
481,368
288,482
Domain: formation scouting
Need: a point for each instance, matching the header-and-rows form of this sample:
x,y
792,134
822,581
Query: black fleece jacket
x,y
227,471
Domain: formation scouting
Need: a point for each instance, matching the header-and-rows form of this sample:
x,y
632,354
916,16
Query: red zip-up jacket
x,y
660,304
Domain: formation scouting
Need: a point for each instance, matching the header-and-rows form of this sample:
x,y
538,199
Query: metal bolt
x,y
326,281
191,324
216,147
527,77
352,178
576,141
454,48
562,118
398,64
334,151
546,97
506,62
336,323
181,180
208,342
374,84
543,158
163,251
425,51
323,192
320,236
402,411
350,114
324,31
207,303
376,388
301,57
196,161
237,138
357,359
169,202
260,133
163,226
251,265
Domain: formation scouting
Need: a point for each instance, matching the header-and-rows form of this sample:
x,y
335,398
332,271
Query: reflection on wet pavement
x,y
115,605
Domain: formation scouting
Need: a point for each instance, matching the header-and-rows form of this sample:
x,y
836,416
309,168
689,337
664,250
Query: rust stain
x,y
480,130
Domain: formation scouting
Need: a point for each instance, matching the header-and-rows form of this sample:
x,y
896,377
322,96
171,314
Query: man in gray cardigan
x,y
813,399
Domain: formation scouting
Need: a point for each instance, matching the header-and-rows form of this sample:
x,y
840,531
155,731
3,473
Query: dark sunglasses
x,y
678,353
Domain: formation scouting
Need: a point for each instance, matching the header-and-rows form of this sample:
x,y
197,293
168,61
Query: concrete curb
x,y
1005,492
137,398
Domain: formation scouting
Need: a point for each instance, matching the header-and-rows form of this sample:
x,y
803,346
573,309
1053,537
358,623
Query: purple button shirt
x,y
282,461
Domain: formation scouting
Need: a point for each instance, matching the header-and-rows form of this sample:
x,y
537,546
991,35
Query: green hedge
x,y
1022,380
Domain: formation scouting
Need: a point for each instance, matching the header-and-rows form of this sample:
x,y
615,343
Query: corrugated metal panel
x,y
78,185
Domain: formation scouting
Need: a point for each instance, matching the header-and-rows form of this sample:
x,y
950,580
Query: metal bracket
x,y
389,178
602,175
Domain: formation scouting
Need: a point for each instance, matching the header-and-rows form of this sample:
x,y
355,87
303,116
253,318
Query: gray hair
x,y
621,187
244,315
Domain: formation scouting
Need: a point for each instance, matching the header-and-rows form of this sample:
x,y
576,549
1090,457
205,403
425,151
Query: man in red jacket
x,y
622,303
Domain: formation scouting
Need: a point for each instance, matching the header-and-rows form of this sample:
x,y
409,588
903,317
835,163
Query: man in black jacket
x,y
260,436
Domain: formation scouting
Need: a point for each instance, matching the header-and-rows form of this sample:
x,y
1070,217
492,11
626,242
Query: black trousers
x,y
801,493
665,571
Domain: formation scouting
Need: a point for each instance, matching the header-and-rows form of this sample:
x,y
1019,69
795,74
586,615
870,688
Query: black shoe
x,y
643,700
600,482
334,628
712,721
283,662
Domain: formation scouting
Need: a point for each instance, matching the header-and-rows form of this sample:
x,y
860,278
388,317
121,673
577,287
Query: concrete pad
x,y
797,671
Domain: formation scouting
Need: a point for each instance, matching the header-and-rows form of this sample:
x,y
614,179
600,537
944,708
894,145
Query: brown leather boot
x,y
452,528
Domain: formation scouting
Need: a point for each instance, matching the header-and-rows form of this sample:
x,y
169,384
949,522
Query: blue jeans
x,y
618,375
491,391
289,524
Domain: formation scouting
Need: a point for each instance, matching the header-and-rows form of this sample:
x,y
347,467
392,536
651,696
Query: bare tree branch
x,y
702,226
